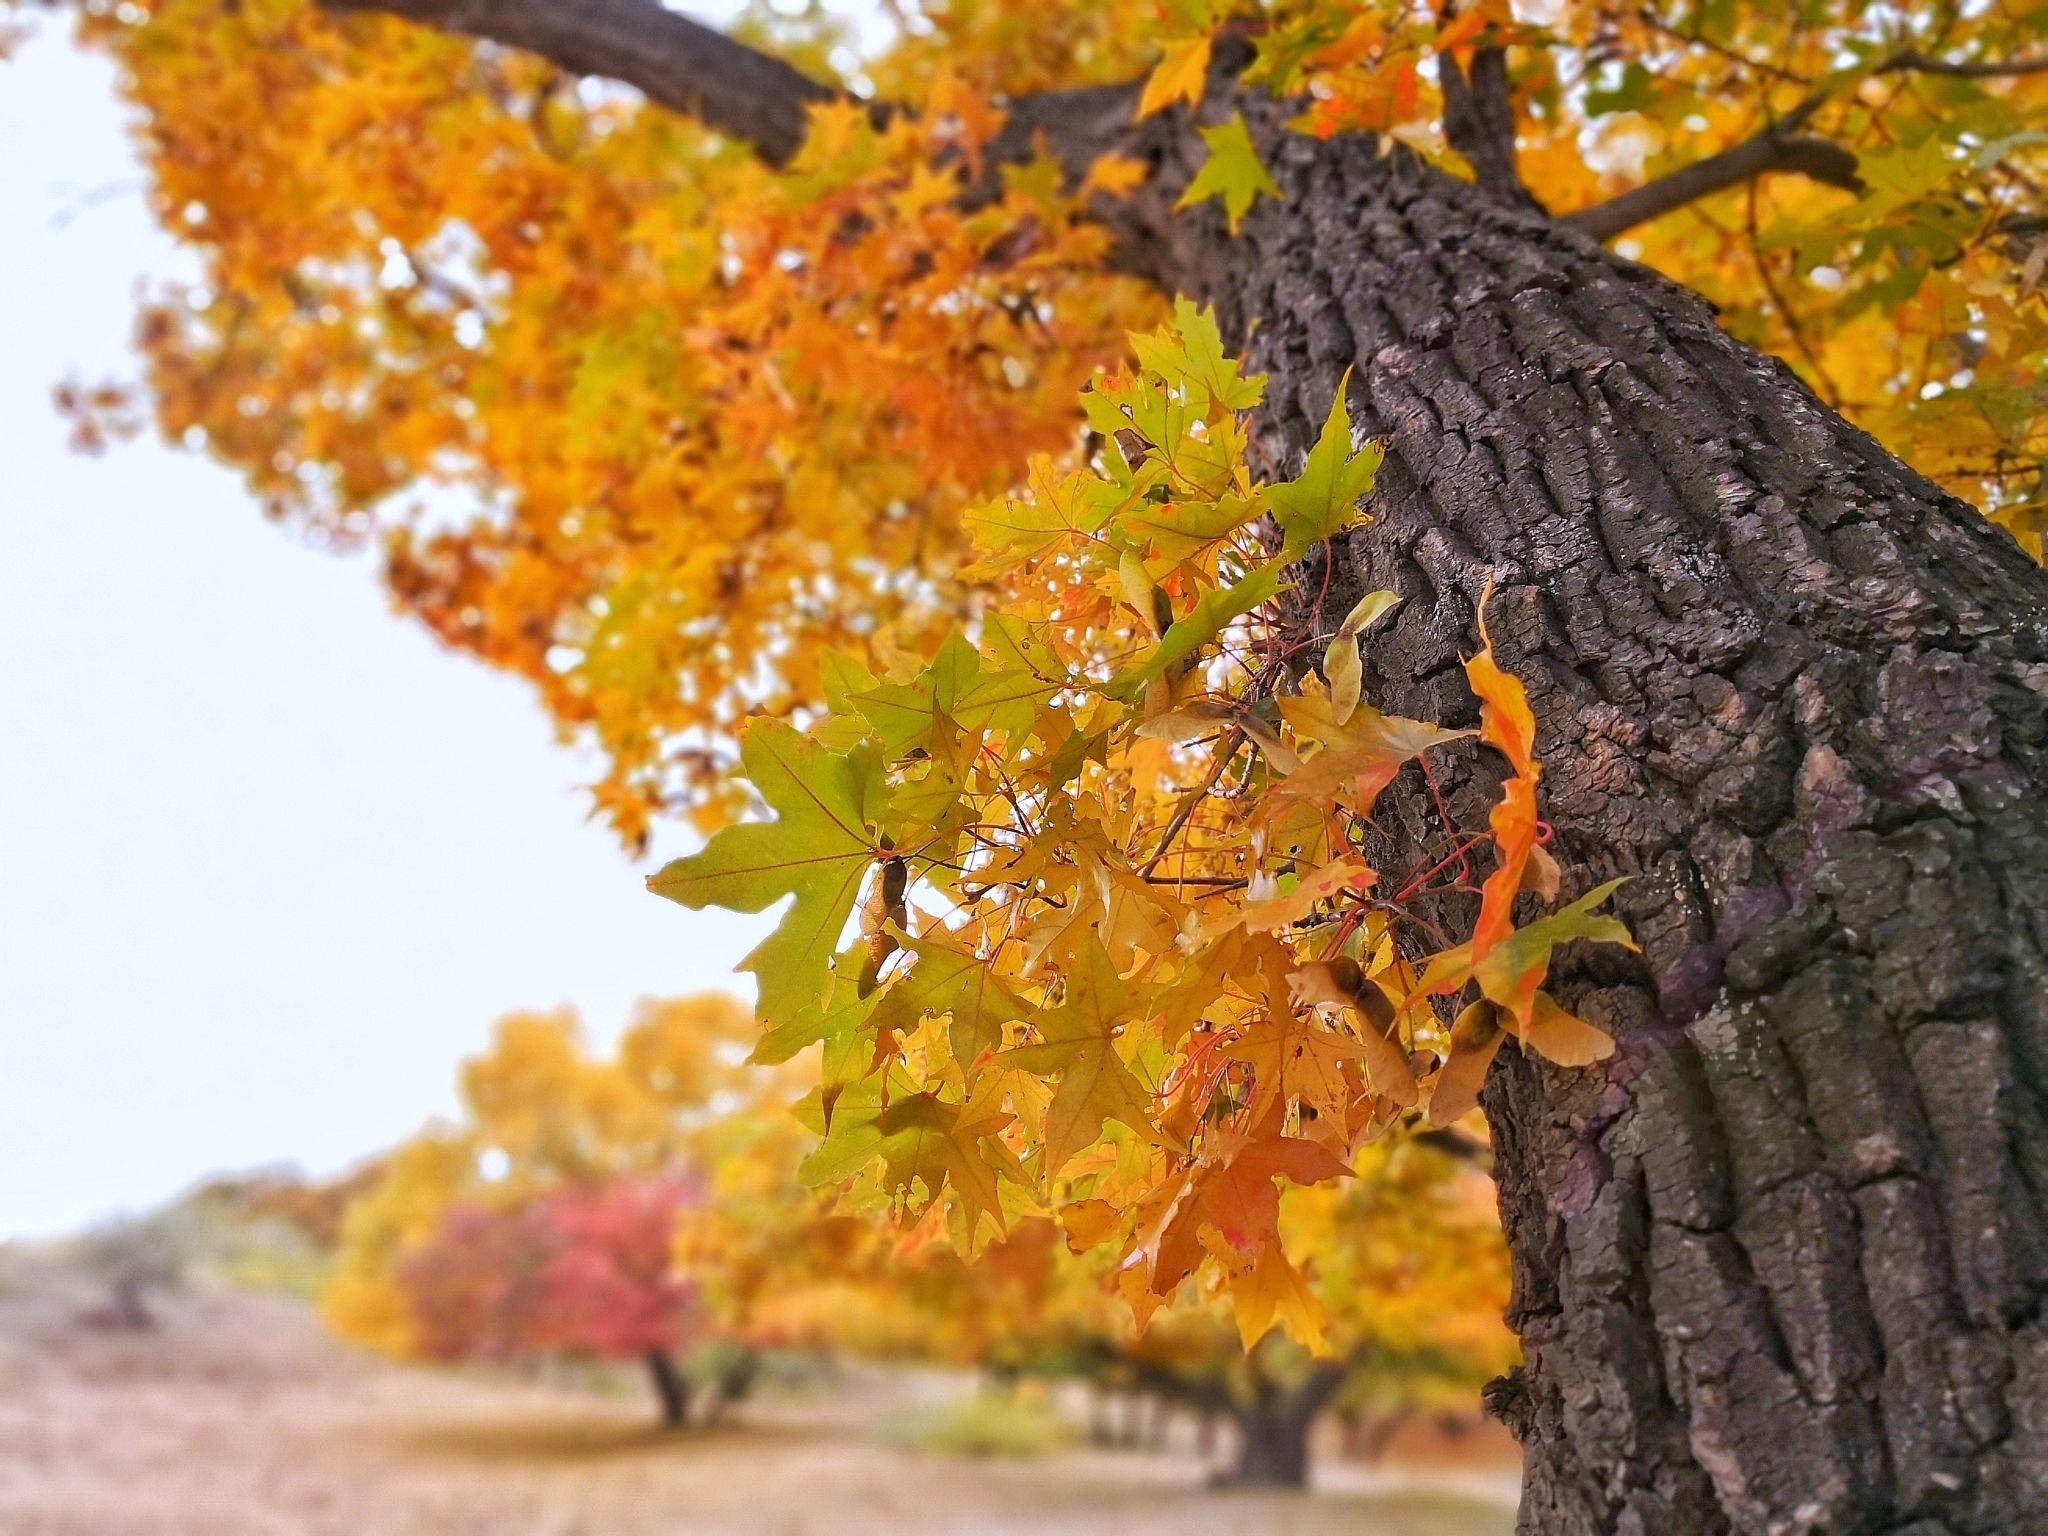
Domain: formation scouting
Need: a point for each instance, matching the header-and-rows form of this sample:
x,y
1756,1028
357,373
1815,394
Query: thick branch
x,y
1479,118
1779,147
681,64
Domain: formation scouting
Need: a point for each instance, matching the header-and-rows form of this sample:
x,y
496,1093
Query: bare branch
x,y
680,64
1479,118
1779,147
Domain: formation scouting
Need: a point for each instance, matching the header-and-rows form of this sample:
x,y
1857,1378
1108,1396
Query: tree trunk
x,y
733,1384
1779,1263
670,1388
1272,1450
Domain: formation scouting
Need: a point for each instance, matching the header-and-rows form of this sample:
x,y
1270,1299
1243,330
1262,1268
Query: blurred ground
x,y
237,1416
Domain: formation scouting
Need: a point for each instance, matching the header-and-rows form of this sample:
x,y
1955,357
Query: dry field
x,y
236,1416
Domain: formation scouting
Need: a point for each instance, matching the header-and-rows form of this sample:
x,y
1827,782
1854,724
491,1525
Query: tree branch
x,y
1778,148
1479,118
1914,63
681,64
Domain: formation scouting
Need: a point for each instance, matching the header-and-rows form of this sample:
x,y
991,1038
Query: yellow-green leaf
x,y
1234,172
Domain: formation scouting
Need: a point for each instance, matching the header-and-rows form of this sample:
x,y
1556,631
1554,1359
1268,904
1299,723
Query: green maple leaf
x,y
926,1140
963,689
919,1139
1189,354
1212,612
1232,172
838,1011
951,981
1324,498
1511,970
828,807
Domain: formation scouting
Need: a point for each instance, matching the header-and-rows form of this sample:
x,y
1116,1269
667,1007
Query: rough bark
x,y
671,1389
1779,1264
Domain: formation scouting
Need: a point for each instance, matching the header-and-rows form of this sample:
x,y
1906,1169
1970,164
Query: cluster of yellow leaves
x,y
1117,953
1407,1255
632,414
658,428
1410,1276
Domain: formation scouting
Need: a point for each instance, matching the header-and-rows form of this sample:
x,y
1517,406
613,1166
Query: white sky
x,y
269,861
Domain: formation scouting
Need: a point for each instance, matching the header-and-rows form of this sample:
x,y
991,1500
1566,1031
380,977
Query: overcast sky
x,y
270,862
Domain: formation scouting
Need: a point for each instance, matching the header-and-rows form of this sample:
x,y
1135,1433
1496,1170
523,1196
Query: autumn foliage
x,y
537,1227
860,510
1120,954
701,421
580,1270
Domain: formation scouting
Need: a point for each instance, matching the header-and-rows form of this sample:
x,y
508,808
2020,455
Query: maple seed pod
x,y
1479,1024
1162,611
1373,1004
1476,1036
884,906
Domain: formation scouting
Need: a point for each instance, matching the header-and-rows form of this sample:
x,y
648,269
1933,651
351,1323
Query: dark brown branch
x,y
1912,63
678,63
1779,147
1479,118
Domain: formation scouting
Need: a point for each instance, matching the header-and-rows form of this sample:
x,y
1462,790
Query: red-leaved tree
x,y
583,1269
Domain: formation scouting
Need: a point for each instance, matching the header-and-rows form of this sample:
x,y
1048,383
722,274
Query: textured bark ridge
x,y
1780,1263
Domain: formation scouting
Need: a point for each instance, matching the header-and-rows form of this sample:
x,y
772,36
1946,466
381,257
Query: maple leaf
x,y
1114,176
1238,1183
1475,1040
1510,972
1212,613
1324,497
1342,983
840,1009
1077,1039
1181,75
1341,666
924,1140
1564,1037
950,980
1271,1293
819,848
1269,909
1507,724
1298,1059
1189,354
1505,720
1359,757
1178,530
1233,172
